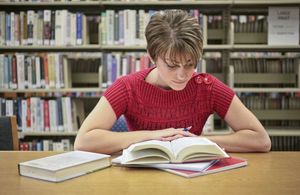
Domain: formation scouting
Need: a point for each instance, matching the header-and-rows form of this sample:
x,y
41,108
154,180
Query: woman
x,y
159,103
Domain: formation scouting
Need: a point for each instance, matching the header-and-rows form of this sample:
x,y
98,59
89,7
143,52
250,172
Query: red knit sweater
x,y
147,107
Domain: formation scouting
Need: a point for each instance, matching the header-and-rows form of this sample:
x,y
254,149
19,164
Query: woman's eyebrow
x,y
168,61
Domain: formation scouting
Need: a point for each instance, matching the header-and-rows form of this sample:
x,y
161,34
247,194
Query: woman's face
x,y
174,75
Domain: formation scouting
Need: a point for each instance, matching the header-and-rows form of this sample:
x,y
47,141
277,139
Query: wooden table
x,y
266,173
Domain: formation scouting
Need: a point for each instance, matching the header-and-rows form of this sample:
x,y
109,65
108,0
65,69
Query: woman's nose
x,y
181,74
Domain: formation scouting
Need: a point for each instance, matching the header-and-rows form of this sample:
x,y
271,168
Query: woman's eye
x,y
190,66
171,66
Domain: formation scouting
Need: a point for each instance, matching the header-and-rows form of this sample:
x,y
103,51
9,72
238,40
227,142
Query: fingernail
x,y
187,128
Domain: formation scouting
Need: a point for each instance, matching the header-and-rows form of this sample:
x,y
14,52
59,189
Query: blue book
x,y
114,69
79,28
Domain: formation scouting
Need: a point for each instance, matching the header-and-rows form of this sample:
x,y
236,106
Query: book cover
x,y
64,166
221,165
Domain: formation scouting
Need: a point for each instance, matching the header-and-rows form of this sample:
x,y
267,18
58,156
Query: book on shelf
x,y
224,164
64,166
197,166
186,149
47,145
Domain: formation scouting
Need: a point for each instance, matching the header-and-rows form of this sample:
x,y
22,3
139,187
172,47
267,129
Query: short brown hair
x,y
174,33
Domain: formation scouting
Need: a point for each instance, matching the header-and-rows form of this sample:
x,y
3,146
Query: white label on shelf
x,y
283,26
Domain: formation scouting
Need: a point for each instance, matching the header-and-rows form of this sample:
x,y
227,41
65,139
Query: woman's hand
x,y
171,134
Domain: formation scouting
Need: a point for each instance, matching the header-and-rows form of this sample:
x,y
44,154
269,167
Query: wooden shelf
x,y
264,57
143,48
264,47
123,47
167,3
90,48
274,114
283,132
218,132
264,78
267,90
51,90
97,48
45,4
38,134
265,2
154,3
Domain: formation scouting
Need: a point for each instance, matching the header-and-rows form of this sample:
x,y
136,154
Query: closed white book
x,y
12,28
58,28
30,23
64,166
24,115
73,29
69,113
110,26
40,27
35,28
1,71
2,28
47,27
38,71
20,71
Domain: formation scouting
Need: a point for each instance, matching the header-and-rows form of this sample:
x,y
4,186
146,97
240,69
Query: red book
x,y
28,115
46,116
14,73
222,165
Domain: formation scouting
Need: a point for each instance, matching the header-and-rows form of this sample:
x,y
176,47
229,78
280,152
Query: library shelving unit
x,y
236,51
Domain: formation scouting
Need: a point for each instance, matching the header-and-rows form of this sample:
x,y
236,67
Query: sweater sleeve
x,y
117,96
221,97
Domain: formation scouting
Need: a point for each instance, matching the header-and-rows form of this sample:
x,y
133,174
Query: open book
x,y
196,166
57,168
186,149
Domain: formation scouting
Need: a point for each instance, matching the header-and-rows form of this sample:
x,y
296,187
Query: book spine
x,y
14,73
46,116
30,23
28,115
79,21
2,28
12,28
1,72
38,71
53,25
8,27
20,71
47,27
40,27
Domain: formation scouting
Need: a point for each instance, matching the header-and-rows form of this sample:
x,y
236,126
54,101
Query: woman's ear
x,y
151,60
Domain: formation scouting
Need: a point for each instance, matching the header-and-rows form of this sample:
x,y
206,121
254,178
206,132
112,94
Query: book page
x,y
165,146
147,149
181,143
64,160
149,155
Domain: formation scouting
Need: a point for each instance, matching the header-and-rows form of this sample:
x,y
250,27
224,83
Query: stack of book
x,y
187,157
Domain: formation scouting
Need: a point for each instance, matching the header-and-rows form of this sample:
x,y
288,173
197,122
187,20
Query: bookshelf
x,y
222,38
